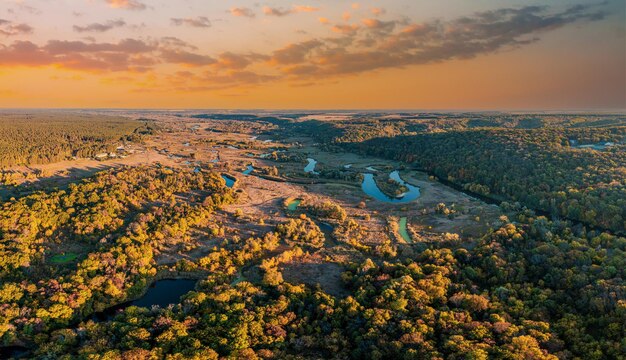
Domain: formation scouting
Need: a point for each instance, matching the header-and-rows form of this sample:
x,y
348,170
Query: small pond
x,y
327,229
597,146
230,181
293,204
15,352
162,293
402,230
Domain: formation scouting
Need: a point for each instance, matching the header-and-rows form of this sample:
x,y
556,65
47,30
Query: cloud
x,y
127,4
375,24
229,60
376,11
24,8
185,81
132,46
200,22
242,12
295,53
125,55
174,42
395,44
9,28
186,58
323,20
350,49
23,53
100,27
270,11
345,29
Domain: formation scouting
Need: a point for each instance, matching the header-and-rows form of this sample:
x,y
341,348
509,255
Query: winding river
x,y
310,168
370,187
249,169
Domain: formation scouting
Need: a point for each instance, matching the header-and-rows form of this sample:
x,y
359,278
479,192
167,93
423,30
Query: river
x,y
370,187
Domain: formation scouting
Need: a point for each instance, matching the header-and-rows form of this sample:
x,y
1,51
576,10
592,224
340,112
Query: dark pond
x,y
13,352
162,293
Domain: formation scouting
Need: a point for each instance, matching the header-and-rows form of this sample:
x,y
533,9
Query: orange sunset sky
x,y
404,54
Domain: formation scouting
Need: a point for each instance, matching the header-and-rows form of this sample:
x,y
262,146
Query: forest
x,y
537,167
42,138
528,289
533,285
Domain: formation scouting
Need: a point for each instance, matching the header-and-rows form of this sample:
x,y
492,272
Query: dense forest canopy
x,y
41,138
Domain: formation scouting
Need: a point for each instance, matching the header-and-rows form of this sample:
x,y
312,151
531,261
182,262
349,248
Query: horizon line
x,y
607,111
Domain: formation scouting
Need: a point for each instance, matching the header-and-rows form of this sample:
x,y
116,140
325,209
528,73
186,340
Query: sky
x,y
314,54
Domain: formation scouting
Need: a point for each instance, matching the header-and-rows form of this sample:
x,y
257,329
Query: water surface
x,y
402,230
310,168
230,181
599,146
249,169
161,293
293,204
370,187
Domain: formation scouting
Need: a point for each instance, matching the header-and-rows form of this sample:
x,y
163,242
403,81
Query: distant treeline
x,y
45,138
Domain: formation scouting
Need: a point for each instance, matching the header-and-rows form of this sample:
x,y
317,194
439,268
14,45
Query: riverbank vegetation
x,y
391,187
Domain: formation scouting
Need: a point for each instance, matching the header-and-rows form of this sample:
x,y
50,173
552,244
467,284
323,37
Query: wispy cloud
x,y
272,11
9,28
100,27
127,4
242,12
376,11
200,22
